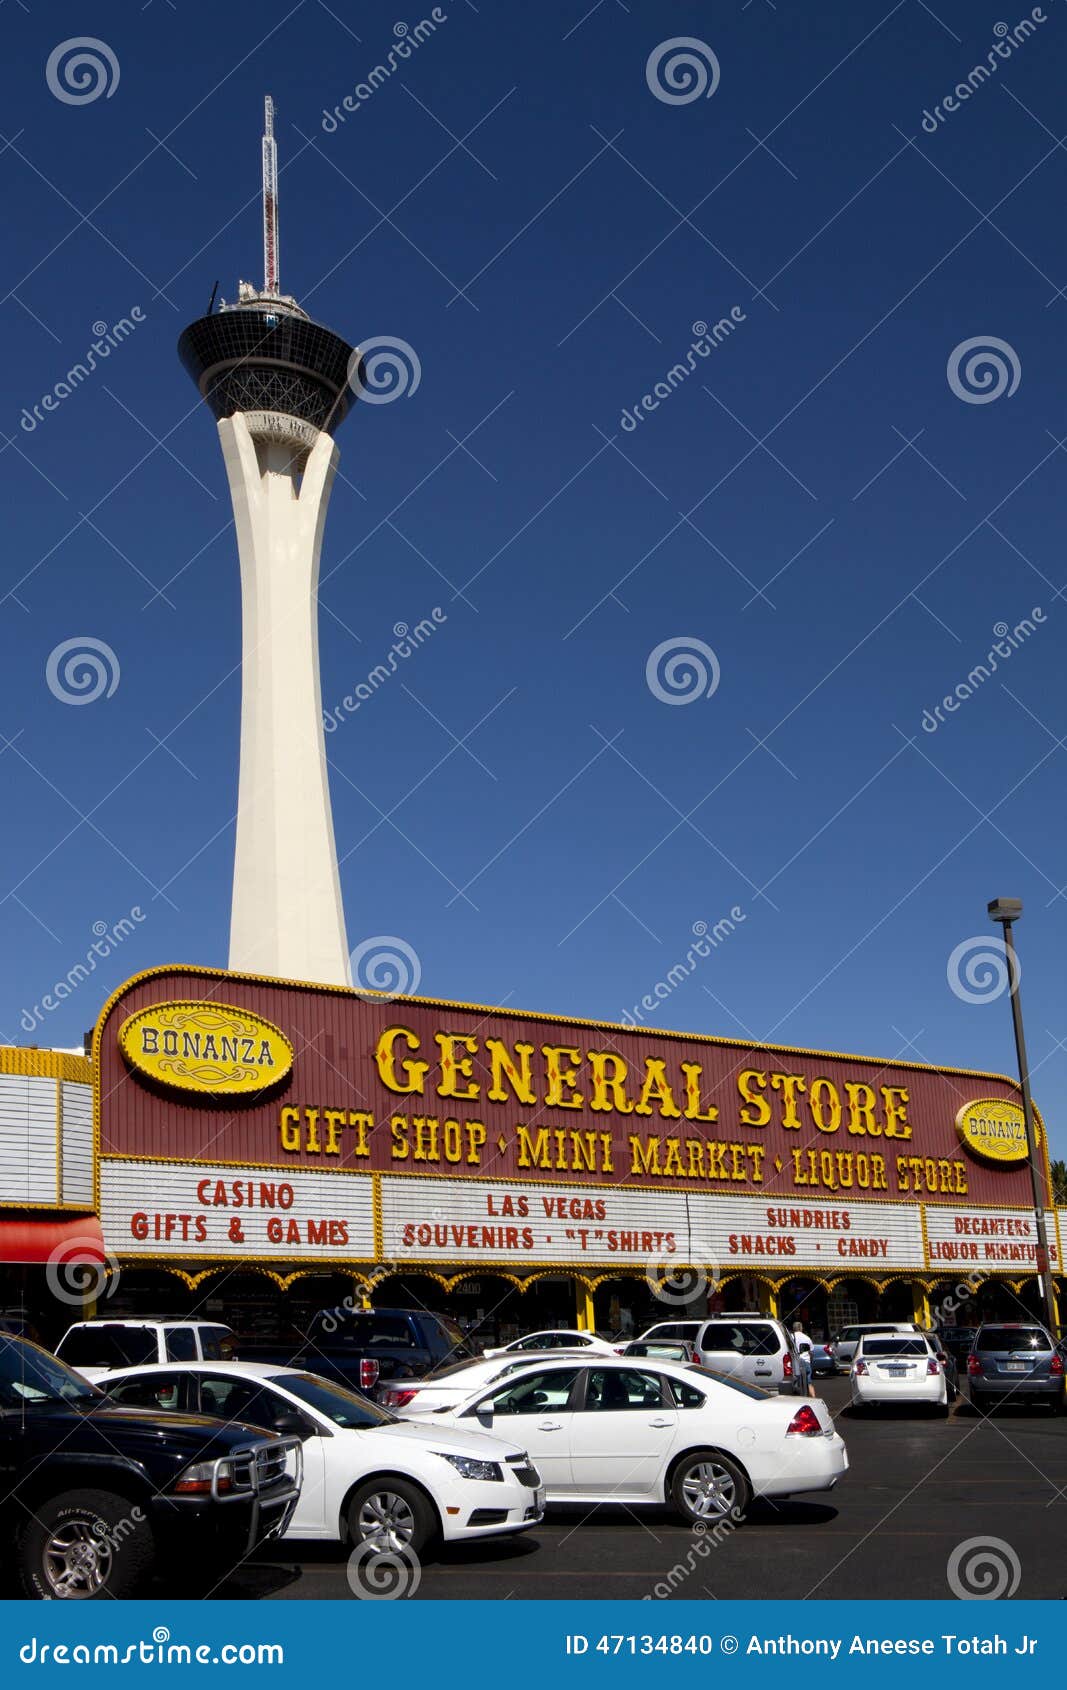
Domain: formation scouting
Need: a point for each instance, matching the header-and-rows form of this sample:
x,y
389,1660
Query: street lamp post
x,y
1006,911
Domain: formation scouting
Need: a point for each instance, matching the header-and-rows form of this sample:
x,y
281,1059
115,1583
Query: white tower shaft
x,y
287,917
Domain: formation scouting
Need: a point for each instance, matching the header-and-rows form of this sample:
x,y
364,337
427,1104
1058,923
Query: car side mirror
x,y
294,1424
484,1414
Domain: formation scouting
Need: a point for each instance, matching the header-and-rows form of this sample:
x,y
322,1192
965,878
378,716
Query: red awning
x,y
65,1242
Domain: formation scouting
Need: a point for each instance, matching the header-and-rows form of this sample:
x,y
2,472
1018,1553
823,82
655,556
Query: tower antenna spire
x,y
271,281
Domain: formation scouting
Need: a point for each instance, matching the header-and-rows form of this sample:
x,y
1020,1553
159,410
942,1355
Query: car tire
x,y
392,1516
707,1486
84,1543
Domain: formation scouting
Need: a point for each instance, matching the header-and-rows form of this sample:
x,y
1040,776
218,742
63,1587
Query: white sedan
x,y
559,1338
368,1477
611,1429
898,1367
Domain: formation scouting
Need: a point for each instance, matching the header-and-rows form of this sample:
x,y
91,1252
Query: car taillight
x,y
400,1399
973,1365
859,1367
804,1424
787,1366
368,1372
1055,1366
933,1365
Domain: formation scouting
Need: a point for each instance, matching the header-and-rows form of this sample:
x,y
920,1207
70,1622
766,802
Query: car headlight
x,y
198,1479
468,1468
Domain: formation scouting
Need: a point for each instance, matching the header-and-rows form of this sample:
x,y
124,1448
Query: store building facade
x,y
264,1148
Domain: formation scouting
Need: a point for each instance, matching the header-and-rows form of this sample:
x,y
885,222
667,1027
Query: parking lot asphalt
x,y
918,1488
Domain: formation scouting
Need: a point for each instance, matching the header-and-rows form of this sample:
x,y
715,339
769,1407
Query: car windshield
x,y
1012,1338
29,1376
894,1347
341,1327
344,1408
754,1392
109,1345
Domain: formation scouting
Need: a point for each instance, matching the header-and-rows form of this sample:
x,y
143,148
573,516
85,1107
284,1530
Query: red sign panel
x,y
418,1086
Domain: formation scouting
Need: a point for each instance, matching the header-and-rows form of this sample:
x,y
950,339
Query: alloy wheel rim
x,y
709,1489
386,1521
77,1559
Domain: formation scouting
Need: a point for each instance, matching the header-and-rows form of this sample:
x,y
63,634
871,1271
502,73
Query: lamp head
x,y
1005,909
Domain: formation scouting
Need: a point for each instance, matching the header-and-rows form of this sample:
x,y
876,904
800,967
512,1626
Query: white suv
x,y
752,1347
96,1347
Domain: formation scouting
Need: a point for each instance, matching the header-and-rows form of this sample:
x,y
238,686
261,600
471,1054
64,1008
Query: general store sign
x,y
328,1080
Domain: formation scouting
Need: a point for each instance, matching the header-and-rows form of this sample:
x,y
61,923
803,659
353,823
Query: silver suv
x,y
843,1347
754,1347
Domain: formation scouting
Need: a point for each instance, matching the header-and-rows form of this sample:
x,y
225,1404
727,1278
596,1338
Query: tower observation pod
x,y
278,384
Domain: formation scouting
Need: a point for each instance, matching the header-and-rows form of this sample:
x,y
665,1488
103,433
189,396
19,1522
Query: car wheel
x,y
391,1515
707,1486
84,1544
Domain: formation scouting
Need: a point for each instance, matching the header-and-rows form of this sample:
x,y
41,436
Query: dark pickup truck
x,y
362,1347
94,1499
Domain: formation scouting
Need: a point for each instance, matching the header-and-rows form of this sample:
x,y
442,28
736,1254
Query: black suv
x,y
95,1498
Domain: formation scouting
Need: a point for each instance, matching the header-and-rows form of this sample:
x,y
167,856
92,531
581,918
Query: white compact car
x,y
559,1338
368,1477
612,1429
898,1367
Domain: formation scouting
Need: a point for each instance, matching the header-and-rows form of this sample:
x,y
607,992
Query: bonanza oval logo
x,y
993,1129
206,1047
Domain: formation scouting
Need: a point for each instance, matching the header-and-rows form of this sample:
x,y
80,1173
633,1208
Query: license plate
x,y
539,1499
898,1372
1017,1367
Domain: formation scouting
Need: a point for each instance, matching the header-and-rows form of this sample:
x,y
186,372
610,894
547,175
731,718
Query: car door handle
x,y
549,1426
659,1423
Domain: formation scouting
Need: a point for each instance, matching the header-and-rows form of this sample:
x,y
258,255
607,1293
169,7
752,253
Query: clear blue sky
x,y
815,503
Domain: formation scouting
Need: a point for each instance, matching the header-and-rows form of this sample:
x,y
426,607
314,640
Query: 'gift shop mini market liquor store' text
x,y
257,1148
